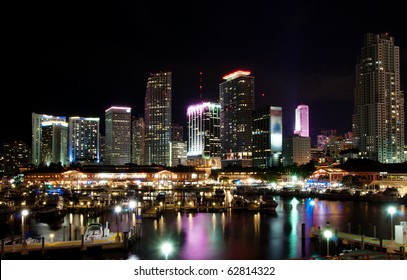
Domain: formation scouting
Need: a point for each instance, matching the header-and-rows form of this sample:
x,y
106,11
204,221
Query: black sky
x,y
65,58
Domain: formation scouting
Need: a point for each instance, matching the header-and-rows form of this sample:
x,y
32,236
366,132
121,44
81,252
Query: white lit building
x,y
118,135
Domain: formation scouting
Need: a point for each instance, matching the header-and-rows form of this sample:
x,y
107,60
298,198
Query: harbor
x,y
295,230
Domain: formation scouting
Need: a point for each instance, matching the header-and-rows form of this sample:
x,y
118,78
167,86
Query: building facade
x,y
36,134
236,96
54,142
138,138
302,121
83,145
117,135
296,150
378,114
267,136
157,118
204,135
16,155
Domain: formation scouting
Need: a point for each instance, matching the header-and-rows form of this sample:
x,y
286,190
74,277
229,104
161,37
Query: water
x,y
231,235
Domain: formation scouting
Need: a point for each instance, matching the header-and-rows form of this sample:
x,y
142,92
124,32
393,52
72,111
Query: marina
x,y
292,224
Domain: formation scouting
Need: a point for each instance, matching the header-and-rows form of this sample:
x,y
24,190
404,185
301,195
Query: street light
x,y
166,248
24,214
391,211
117,209
327,234
132,205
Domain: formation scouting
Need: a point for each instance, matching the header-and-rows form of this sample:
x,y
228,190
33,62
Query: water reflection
x,y
228,235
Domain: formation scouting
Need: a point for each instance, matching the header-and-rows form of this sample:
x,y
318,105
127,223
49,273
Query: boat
x,y
219,195
238,203
191,202
96,231
170,202
253,205
153,212
268,204
52,209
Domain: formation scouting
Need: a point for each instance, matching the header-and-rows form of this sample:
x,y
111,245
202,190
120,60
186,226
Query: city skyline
x,y
84,63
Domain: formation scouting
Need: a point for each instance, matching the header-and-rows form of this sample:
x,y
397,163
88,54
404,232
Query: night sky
x,y
65,58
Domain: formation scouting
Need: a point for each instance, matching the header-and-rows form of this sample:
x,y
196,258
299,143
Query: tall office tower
x,y
237,105
302,121
378,113
54,142
16,156
118,135
267,136
157,118
138,139
204,135
83,145
36,125
296,150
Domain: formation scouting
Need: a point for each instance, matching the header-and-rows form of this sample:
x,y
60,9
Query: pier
x,y
367,247
24,250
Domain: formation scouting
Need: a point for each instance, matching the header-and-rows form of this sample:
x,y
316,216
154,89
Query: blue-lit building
x,y
83,145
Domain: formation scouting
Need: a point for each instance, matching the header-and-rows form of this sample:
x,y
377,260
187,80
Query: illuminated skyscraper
x,y
378,114
138,137
37,120
267,136
54,142
237,105
157,117
83,142
204,135
302,121
118,135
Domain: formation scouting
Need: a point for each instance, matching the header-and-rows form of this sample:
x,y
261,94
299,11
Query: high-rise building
x,y
378,113
237,105
36,136
296,150
157,118
204,135
16,156
267,136
83,145
54,142
118,135
138,139
302,121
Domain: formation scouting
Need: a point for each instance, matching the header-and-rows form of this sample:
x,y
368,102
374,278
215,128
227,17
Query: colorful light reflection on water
x,y
231,235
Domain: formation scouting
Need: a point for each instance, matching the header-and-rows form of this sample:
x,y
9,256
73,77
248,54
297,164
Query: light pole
x,y
166,248
132,205
24,214
117,209
391,211
327,234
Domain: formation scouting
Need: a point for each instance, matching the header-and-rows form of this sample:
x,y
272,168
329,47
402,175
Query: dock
x,y
362,242
24,250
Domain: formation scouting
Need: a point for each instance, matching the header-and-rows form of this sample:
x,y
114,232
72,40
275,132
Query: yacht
x,y
96,231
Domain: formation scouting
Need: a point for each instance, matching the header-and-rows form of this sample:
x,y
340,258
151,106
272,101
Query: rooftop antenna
x,y
200,86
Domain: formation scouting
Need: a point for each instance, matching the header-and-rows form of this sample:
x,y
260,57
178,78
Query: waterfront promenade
x,y
26,250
